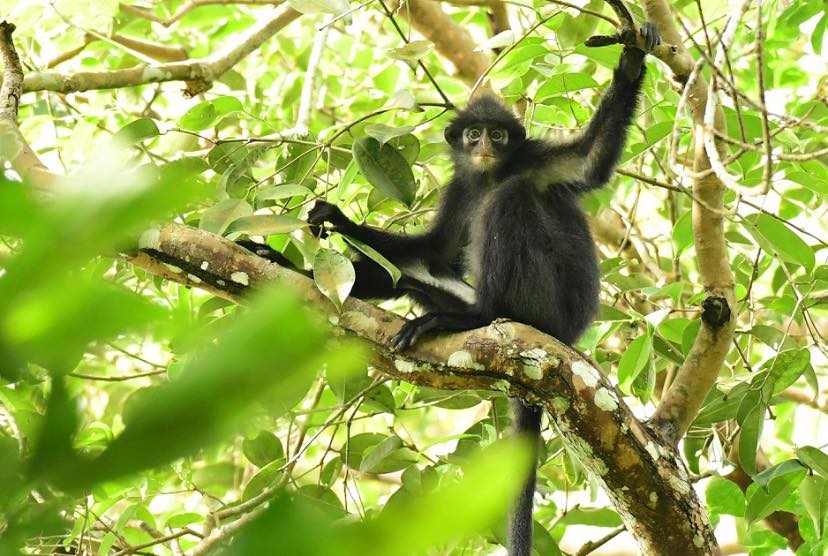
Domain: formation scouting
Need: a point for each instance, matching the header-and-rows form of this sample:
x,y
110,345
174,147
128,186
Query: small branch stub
x,y
715,311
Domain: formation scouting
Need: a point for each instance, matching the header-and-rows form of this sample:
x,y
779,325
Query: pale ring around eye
x,y
474,135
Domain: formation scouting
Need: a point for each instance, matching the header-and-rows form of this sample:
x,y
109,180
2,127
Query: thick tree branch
x,y
644,476
203,70
187,7
450,40
700,369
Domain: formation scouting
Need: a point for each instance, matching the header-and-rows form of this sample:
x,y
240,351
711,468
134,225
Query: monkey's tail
x,y
527,422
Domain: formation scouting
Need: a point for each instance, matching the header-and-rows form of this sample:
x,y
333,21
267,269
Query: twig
x,y
595,545
420,63
120,378
767,173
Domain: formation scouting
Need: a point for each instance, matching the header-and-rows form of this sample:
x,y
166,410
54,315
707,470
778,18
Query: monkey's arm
x,y
392,246
588,161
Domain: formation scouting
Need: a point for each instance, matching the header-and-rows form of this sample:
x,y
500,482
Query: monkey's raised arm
x,y
588,161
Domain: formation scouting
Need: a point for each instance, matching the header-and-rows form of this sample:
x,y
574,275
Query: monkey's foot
x,y
411,331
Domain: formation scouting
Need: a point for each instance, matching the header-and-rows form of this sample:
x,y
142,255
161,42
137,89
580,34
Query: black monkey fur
x,y
515,227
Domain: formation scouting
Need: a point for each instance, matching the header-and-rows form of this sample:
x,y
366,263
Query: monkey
x,y
509,218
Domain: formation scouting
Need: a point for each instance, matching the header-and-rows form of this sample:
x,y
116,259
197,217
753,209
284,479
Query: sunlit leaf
x,y
139,130
334,275
762,502
633,360
383,133
218,218
266,224
814,493
412,51
209,113
725,497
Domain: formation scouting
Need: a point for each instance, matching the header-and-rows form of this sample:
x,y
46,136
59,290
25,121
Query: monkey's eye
x,y
498,135
474,134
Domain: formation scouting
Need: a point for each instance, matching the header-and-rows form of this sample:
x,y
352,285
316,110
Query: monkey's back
x,y
534,260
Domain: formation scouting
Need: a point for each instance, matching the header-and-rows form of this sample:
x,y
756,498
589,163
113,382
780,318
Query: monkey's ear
x,y
452,135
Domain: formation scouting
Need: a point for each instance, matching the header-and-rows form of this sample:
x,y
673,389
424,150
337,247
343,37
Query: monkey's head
x,y
484,134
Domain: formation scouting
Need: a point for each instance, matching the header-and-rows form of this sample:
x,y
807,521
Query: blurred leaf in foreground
x,y
490,482
270,354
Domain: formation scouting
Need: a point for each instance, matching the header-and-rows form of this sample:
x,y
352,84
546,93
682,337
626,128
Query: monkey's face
x,y
485,146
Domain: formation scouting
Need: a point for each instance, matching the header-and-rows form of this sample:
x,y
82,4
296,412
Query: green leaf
x,y
683,233
520,55
403,98
377,257
383,133
218,218
283,191
412,51
137,131
764,478
224,155
387,457
386,169
209,113
408,146
813,490
330,472
332,7
725,497
564,83
814,458
749,436
264,478
596,517
761,503
322,498
334,275
786,368
633,360
266,224
502,39
183,519
357,445
776,237
263,449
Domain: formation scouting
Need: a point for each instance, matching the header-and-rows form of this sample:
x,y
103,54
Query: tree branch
x,y
643,476
13,146
450,40
203,70
700,369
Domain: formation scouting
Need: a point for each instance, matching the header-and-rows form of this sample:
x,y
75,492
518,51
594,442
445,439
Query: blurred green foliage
x,y
140,413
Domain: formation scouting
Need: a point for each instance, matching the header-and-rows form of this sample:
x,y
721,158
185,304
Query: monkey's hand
x,y
325,212
632,58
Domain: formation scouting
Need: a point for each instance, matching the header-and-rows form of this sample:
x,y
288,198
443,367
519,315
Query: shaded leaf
x,y
386,169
